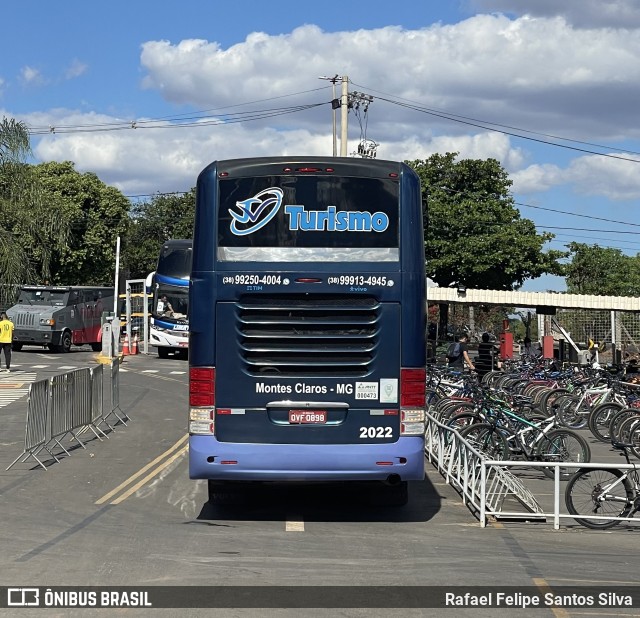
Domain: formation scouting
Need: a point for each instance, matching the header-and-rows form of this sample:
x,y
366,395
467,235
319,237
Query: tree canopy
x,y
474,234
602,271
31,228
153,222
96,214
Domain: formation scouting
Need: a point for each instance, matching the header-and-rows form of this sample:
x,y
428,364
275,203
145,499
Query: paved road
x,y
124,512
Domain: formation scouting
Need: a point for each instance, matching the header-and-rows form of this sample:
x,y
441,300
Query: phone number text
x,y
253,280
360,280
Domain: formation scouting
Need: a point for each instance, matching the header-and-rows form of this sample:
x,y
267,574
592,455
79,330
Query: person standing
x,y
458,354
6,337
486,359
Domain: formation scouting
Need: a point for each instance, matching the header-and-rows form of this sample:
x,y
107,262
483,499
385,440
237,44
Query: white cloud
x,y
75,69
582,13
537,178
611,178
591,175
31,76
537,73
149,160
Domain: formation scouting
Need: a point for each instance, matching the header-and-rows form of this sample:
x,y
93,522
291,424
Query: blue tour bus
x,y
169,323
307,314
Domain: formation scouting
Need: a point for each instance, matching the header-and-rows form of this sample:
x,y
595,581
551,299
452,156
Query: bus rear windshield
x,y
308,218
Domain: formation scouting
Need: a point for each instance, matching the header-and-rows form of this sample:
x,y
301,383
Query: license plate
x,y
297,417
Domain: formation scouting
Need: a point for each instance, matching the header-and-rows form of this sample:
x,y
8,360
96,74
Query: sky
x,y
146,93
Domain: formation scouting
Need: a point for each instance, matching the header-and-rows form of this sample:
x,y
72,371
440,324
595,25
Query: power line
x,y
471,121
564,212
575,214
158,194
191,121
584,229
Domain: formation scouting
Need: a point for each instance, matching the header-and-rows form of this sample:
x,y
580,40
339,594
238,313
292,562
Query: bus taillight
x,y
202,399
412,388
412,401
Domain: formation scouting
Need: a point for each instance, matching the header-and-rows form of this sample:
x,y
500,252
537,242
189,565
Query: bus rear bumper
x,y
210,459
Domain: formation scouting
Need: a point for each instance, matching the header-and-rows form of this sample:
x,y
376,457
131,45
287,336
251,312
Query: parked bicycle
x,y
497,430
601,492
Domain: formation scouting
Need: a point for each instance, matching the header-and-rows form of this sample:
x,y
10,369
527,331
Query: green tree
x,y
602,271
162,218
31,229
474,234
96,214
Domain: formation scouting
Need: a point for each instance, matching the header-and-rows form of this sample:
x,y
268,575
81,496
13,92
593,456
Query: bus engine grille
x,y
308,336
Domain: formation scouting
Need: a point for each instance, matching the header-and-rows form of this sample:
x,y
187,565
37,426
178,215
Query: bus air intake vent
x,y
308,336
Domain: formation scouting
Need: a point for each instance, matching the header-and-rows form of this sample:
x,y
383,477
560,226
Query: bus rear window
x,y
308,218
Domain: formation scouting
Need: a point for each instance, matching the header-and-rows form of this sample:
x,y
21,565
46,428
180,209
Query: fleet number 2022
x,y
376,432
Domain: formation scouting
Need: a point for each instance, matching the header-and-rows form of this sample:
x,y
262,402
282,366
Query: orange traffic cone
x,y
125,346
134,344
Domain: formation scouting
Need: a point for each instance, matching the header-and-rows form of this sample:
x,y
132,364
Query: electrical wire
x,y
462,118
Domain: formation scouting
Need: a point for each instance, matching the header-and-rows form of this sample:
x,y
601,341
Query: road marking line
x,y
149,476
545,588
39,366
599,614
294,523
596,581
149,371
141,471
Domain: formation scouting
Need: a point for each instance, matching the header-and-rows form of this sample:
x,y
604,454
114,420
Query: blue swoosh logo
x,y
252,208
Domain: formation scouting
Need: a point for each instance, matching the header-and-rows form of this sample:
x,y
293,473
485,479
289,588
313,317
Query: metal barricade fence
x,y
97,401
116,410
69,403
36,431
60,418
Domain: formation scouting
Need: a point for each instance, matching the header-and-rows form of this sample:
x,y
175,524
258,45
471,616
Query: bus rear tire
x,y
390,495
96,347
16,347
163,352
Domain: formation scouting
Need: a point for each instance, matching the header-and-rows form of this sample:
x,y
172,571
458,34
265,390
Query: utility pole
x,y
335,103
344,103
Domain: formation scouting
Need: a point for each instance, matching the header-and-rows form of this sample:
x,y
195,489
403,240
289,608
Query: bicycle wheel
x,y
590,492
627,428
617,420
551,399
563,445
487,439
634,440
462,420
600,419
454,407
571,414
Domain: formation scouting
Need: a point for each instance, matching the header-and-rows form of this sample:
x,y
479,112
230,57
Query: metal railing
x,y
484,489
68,404
487,487
557,513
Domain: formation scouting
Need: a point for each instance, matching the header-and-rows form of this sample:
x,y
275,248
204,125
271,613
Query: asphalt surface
x,y
123,512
